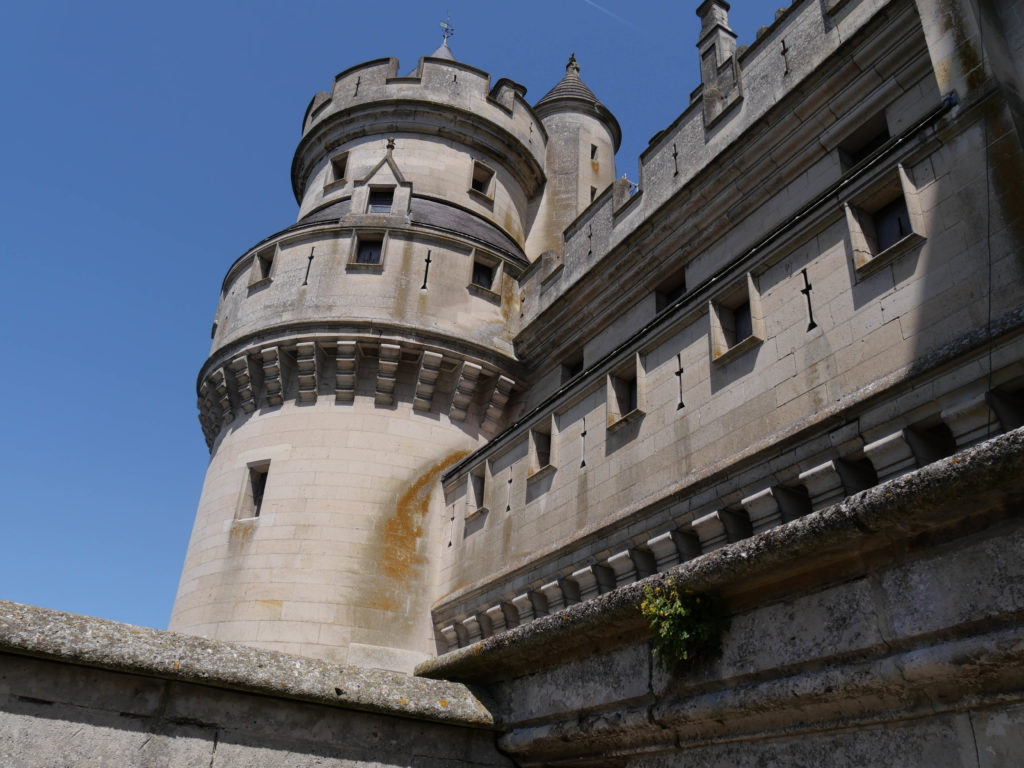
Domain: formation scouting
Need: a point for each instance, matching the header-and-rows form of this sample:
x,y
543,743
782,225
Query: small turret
x,y
583,137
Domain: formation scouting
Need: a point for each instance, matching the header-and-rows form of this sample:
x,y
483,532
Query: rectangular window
x,y
483,275
476,487
482,179
864,141
380,200
884,222
252,499
669,291
339,164
892,223
741,322
736,321
593,152
572,368
540,446
624,392
369,251
262,265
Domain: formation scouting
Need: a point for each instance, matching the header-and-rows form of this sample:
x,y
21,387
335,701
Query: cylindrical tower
x,y
583,137
355,356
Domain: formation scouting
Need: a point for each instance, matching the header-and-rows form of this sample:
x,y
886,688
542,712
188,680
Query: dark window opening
x,y
483,275
593,152
742,322
593,193
669,291
380,200
572,368
864,141
476,490
258,484
369,251
626,393
264,263
542,448
482,176
891,223
338,167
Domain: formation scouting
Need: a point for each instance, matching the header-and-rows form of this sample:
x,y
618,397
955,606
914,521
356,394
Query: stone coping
x,y
87,641
835,541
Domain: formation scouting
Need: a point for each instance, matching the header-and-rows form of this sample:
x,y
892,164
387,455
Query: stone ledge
x,y
92,642
836,541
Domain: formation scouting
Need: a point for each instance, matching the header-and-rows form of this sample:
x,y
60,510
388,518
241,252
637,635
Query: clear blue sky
x,y
145,147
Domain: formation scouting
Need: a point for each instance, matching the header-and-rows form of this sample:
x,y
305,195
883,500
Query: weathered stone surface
x,y
124,648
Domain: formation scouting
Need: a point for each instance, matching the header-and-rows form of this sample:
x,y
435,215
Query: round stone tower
x,y
583,137
359,353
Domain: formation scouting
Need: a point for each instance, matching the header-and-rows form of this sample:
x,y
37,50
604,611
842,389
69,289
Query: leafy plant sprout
x,y
686,626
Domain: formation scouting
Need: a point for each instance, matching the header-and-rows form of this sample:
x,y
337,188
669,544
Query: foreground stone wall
x,y
108,694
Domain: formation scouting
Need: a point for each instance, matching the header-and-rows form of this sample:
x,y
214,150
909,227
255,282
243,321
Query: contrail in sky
x,y
619,19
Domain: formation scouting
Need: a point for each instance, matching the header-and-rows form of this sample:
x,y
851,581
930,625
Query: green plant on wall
x,y
686,626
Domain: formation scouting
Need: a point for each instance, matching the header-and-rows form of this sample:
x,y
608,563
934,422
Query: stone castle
x,y
484,390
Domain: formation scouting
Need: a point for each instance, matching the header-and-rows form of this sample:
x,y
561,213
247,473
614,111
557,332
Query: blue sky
x,y
145,147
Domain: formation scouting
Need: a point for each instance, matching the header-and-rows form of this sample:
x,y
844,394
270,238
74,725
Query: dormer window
x,y
380,200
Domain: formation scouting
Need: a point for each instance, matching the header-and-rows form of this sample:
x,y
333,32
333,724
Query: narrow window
x,y
892,224
380,201
476,489
864,141
368,250
572,368
257,485
669,291
593,193
262,265
483,275
540,446
742,322
623,393
482,178
735,318
339,163
593,152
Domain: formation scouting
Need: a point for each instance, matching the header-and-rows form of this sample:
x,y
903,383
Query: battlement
x,y
463,94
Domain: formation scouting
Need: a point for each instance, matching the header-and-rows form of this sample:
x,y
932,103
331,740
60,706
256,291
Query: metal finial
x,y
447,29
572,67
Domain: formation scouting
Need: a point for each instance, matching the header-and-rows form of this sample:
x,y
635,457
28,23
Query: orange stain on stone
x,y
401,532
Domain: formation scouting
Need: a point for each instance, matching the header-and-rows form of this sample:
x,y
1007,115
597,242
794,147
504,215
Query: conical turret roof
x,y
571,94
443,52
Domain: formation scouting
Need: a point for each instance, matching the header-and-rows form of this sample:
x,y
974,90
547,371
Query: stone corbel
x,y
307,366
387,373
242,375
465,387
426,380
346,359
497,402
273,388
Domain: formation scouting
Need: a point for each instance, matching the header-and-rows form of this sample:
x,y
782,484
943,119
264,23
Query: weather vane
x,y
449,30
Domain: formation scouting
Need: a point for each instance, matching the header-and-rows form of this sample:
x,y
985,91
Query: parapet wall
x,y
82,692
